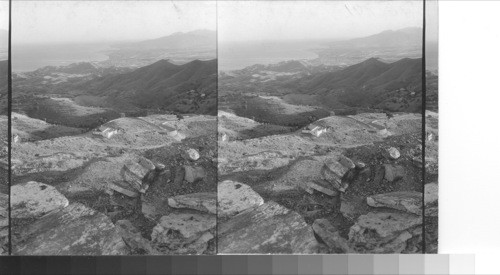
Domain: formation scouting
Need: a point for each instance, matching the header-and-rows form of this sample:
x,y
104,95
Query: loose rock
x,y
393,173
393,153
347,162
193,154
193,174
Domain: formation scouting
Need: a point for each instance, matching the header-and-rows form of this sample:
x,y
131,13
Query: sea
x,y
31,57
238,55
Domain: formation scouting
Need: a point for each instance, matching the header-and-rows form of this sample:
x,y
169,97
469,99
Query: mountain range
x,y
406,37
179,40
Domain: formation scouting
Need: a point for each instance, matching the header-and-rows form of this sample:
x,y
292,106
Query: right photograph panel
x,y
320,127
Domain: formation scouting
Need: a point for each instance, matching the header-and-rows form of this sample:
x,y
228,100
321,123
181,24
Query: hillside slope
x,y
162,85
371,83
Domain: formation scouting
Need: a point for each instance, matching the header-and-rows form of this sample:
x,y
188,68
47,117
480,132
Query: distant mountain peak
x,y
406,37
180,40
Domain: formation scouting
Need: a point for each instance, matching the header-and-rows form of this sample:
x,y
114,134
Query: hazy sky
x,y
276,20
4,15
432,20
93,21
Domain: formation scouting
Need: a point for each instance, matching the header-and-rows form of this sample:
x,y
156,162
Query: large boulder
x,y
270,228
409,201
205,202
73,230
34,199
234,197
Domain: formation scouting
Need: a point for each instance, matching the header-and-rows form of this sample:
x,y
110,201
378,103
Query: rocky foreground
x,y
155,185
344,184
133,186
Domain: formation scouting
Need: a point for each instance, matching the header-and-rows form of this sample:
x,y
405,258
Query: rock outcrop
x,y
72,230
204,202
183,233
269,228
34,199
234,197
384,232
4,223
404,201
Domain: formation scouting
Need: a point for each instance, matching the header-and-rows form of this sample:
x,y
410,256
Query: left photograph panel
x,y
4,166
114,132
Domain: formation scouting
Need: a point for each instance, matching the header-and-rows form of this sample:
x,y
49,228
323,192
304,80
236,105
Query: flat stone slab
x,y
270,228
124,189
34,199
205,202
410,201
323,187
73,230
234,197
